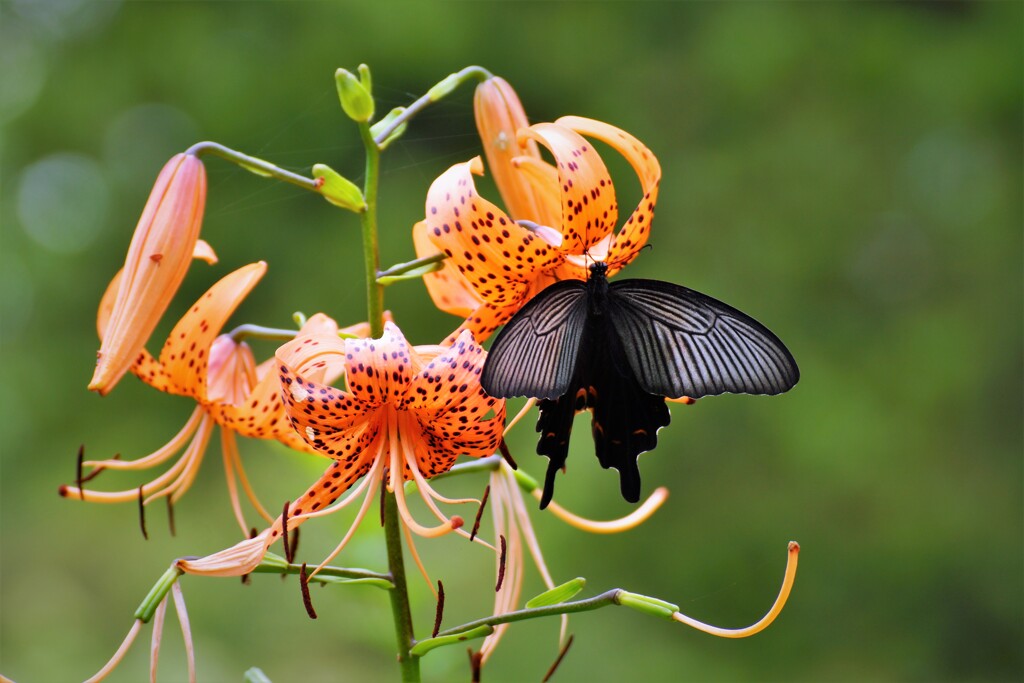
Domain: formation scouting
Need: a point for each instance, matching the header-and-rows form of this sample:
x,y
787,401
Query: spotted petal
x,y
497,257
589,212
185,354
628,241
448,288
378,370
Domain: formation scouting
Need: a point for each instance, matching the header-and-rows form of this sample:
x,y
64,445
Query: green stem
x,y
400,610
254,165
597,602
157,593
368,221
259,332
402,268
443,87
275,564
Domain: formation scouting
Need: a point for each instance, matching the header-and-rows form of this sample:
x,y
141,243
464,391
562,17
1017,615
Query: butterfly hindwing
x,y
535,354
680,342
625,418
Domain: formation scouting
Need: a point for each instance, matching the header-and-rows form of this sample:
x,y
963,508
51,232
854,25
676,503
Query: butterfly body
x,y
618,349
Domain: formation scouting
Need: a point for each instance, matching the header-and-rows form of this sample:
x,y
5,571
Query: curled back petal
x,y
542,177
378,370
448,288
633,236
450,379
185,355
158,258
497,257
260,414
589,212
331,421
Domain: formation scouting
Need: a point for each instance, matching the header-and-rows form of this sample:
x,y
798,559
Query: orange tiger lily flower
x,y
221,375
407,414
159,256
568,211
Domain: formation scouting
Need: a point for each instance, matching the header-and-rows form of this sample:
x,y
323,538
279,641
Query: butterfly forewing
x,y
683,343
535,354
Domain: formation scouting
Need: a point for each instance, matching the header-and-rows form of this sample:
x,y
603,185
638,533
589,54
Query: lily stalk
x,y
399,595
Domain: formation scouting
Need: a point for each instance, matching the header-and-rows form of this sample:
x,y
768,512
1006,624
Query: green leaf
x,y
369,581
558,594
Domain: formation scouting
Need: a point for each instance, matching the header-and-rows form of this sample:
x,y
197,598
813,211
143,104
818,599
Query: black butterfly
x,y
618,350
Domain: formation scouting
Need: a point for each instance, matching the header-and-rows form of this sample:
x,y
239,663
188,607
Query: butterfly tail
x,y
555,427
626,420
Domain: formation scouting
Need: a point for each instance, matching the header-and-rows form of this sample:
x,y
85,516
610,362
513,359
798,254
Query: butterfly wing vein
x,y
683,343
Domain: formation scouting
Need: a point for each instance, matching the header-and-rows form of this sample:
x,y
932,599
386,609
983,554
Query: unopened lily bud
x,y
355,98
384,123
499,117
444,87
158,258
338,190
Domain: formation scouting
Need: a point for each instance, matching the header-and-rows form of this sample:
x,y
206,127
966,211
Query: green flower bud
x,y
365,78
646,604
444,87
355,98
339,190
377,128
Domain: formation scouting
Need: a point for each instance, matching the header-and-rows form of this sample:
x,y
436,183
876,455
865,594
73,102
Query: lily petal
x,y
448,288
628,242
497,257
589,212
185,354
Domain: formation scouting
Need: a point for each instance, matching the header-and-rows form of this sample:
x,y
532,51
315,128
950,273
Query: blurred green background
x,y
850,174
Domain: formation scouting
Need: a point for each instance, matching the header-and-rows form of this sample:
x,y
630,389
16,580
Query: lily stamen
x,y
411,542
372,477
767,619
186,630
519,416
395,484
614,526
119,655
158,456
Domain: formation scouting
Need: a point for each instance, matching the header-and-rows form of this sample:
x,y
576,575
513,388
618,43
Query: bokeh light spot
x,y
63,201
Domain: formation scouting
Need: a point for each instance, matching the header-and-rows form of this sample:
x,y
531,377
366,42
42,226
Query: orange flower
x,y
221,374
157,261
562,215
407,414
